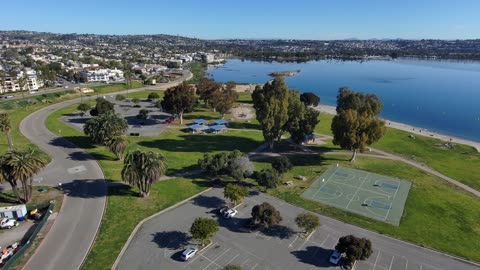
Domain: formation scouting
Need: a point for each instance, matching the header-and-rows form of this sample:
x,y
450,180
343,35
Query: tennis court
x,y
372,195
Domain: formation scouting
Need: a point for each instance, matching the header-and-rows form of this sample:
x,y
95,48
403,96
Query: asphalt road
x,y
160,241
70,238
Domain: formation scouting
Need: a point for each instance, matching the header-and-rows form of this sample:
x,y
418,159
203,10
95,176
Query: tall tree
x,y
266,215
205,88
104,127
356,126
306,125
222,101
21,165
203,228
354,248
307,221
271,108
235,193
117,145
179,100
282,164
102,106
142,169
5,127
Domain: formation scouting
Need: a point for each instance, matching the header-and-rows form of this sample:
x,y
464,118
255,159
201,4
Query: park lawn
x,y
460,163
125,210
324,127
437,214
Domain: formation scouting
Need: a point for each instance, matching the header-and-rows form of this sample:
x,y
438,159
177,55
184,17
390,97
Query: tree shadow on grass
x,y
121,190
313,255
202,144
7,198
279,231
244,125
171,240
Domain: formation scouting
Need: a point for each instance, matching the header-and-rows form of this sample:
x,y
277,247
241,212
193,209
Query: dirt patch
x,y
243,113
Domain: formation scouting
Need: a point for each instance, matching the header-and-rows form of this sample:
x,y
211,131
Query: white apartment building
x,y
103,75
12,83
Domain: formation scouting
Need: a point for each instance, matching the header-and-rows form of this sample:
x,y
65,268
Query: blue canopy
x,y
220,122
200,121
218,127
197,127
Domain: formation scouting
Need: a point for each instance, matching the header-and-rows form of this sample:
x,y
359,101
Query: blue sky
x,y
297,19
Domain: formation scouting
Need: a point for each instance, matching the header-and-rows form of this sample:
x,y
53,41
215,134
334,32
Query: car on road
x,y
335,257
7,223
189,253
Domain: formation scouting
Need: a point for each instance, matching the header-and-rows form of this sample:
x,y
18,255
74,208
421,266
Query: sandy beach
x,y
415,130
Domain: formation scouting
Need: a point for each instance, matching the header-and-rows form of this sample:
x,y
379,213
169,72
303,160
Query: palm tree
x,y
117,145
6,127
21,165
142,169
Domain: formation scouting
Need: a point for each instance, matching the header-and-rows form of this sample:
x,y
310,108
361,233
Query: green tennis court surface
x,y
372,195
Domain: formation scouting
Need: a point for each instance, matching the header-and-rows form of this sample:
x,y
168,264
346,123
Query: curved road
x,y
70,238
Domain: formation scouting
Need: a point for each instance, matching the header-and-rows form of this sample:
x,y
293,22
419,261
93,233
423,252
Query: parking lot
x,y
160,241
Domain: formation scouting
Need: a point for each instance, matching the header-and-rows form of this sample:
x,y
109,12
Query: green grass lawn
x,y
437,214
461,163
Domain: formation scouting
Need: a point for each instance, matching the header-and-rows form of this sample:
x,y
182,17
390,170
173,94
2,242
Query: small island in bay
x,y
284,73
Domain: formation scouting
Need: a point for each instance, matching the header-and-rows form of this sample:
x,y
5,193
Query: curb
x,y
125,246
41,242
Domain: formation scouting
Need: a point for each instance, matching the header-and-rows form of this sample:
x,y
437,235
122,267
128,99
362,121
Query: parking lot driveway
x,y
159,243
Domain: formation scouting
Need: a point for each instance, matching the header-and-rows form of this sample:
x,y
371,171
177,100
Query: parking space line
x,y
391,263
290,245
231,260
218,257
201,251
376,259
406,264
254,266
245,262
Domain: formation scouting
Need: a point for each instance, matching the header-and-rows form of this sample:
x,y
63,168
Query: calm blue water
x,y
442,96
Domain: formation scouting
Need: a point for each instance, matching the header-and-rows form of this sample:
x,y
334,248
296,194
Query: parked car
x,y
335,257
189,253
7,223
227,212
230,213
170,120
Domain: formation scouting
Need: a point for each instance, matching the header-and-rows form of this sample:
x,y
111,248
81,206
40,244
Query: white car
x,y
335,257
7,223
230,213
189,253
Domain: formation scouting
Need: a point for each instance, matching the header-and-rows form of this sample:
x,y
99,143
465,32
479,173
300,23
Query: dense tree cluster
x,y
102,106
265,215
179,99
235,164
235,193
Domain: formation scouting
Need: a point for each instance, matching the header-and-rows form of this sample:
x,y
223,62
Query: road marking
x,y
391,263
218,257
77,169
406,264
254,266
231,260
245,262
290,245
376,259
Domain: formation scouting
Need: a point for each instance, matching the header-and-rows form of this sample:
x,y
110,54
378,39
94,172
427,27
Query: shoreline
x,y
411,129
